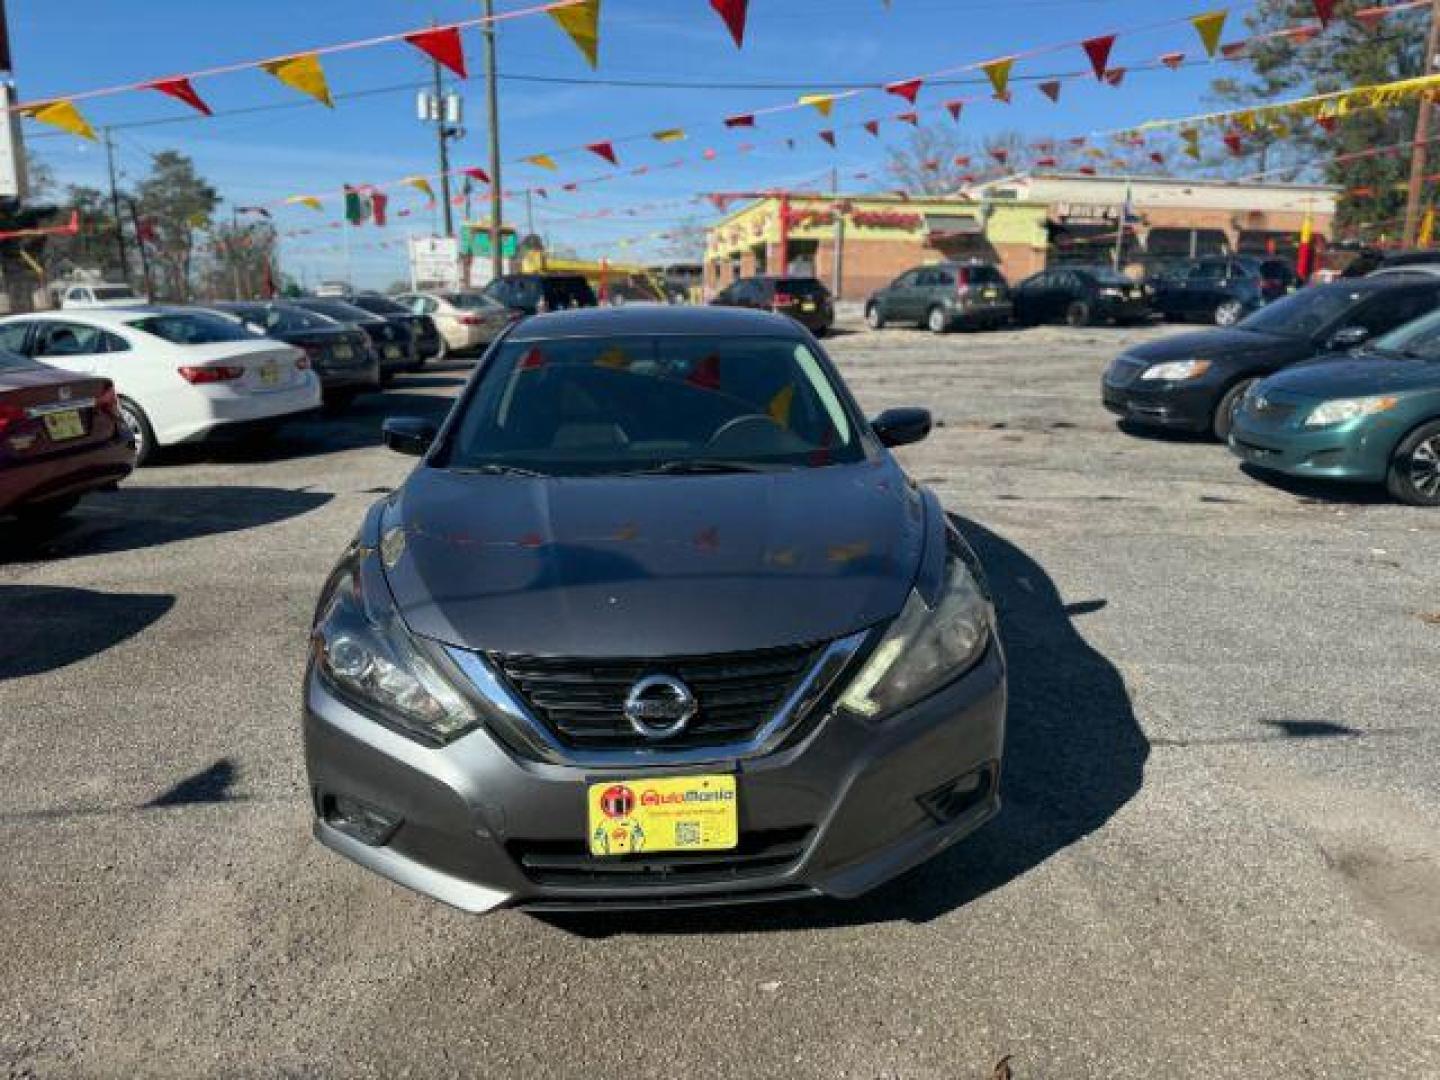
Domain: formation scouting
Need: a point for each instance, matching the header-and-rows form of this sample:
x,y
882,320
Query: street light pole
x,y
492,100
1422,133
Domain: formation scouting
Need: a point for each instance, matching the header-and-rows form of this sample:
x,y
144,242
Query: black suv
x,y
942,297
1223,289
536,293
804,299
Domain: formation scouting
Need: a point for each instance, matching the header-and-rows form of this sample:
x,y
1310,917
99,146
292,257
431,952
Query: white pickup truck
x,y
100,296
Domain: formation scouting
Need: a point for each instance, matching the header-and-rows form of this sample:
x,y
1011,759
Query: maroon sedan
x,y
61,437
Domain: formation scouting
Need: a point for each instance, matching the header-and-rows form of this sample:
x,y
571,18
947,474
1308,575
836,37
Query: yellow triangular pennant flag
x,y
1246,119
420,184
1192,142
302,73
305,200
670,135
544,161
821,103
1210,26
64,115
998,72
582,22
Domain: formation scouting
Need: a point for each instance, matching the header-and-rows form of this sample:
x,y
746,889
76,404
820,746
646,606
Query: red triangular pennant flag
x,y
873,127
1098,50
1115,76
1234,143
1328,123
733,12
1051,89
1371,17
181,90
571,186
378,202
1157,157
909,118
477,174
962,161
604,150
1324,10
1086,170
741,120
954,108
1231,49
1173,60
1000,154
909,89
1046,163
442,44
828,136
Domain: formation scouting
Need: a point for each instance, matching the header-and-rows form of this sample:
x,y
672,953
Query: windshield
x,y
1104,275
337,310
284,320
469,301
193,328
379,305
1420,339
1304,313
596,406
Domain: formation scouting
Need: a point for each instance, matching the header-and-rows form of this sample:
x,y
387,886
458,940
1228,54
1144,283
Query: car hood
x,y
1357,376
654,566
1222,344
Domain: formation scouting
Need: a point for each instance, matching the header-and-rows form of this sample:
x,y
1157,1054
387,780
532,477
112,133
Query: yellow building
x,y
877,237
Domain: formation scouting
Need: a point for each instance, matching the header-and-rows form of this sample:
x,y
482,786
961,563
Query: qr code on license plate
x,y
687,833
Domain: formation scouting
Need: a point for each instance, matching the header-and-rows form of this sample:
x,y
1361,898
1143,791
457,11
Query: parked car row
x,y
1336,382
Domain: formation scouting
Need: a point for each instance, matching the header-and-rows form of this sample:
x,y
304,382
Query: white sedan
x,y
182,374
467,321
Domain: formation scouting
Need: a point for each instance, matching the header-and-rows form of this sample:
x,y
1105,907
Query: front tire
x,y
1224,419
139,425
1077,314
936,321
874,318
1414,474
1229,313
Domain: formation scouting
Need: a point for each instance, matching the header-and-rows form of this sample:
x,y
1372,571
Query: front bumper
x,y
1358,451
61,475
1165,405
845,807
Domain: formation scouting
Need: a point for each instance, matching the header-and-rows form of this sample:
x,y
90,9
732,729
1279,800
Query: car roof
x,y
1417,270
115,316
657,319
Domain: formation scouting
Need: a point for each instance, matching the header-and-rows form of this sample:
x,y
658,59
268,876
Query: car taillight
x,y
108,402
197,376
1270,283
469,320
962,281
9,416
782,299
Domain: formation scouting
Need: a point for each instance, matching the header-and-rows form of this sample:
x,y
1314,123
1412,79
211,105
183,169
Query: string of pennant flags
x,y
1208,27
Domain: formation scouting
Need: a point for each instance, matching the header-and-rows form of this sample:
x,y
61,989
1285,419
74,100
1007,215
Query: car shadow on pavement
x,y
135,517
1318,491
48,627
1074,755
317,434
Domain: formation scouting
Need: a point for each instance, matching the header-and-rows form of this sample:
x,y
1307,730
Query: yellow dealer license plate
x,y
807,305
64,425
991,294
270,374
690,813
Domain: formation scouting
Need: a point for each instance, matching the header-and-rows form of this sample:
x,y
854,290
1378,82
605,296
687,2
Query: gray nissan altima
x,y
657,620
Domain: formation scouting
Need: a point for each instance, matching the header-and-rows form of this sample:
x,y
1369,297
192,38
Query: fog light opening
x,y
954,797
366,823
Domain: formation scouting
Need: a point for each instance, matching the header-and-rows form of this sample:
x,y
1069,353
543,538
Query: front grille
x,y
566,862
582,701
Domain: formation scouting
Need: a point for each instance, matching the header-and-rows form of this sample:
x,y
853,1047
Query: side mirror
x,y
408,434
901,427
1347,337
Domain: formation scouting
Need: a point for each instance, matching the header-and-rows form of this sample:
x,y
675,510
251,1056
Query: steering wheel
x,y
764,425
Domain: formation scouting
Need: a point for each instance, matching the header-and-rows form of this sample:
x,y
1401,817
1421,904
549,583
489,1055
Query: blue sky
x,y
265,156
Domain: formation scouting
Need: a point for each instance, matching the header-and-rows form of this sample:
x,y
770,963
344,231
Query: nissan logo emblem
x,y
659,706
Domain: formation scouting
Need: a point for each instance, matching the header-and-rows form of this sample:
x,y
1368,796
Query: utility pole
x,y
492,101
235,250
442,133
1422,133
115,206
139,243
837,270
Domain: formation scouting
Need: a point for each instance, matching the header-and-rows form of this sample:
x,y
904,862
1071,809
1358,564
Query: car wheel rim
x,y
1425,468
1227,314
937,321
137,429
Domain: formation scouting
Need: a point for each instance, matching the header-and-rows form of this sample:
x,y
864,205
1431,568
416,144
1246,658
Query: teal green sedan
x,y
1370,417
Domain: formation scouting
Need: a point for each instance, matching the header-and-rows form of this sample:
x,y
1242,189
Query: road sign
x,y
435,261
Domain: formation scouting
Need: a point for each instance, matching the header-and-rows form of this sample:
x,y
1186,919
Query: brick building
x,y
1022,224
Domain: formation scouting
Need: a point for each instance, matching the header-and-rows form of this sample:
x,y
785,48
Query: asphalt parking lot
x,y
1219,854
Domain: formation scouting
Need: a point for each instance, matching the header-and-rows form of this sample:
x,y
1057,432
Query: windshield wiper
x,y
492,469
703,465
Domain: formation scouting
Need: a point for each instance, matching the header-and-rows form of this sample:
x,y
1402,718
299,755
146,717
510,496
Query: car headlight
x,y
925,647
1177,370
1343,409
1114,294
363,649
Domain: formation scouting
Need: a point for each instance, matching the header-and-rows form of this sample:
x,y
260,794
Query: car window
x,y
13,336
593,406
14,360
905,280
1393,308
75,339
926,278
1207,271
1304,313
192,328
470,301
980,274
1419,338
116,292
807,287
